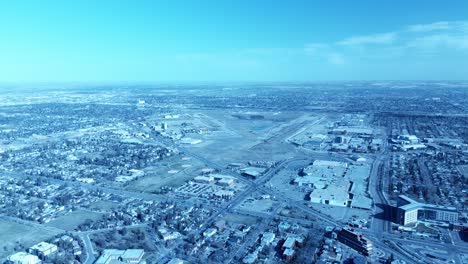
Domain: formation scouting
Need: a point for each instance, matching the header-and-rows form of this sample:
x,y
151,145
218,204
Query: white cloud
x,y
440,41
385,38
336,59
324,53
439,37
316,49
443,25
445,37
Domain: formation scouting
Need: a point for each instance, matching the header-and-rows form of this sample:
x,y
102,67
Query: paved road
x,y
376,184
258,186
90,253
375,190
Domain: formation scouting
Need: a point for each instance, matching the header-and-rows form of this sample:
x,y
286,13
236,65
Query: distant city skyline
x,y
235,41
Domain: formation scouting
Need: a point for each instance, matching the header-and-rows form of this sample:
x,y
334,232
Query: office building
x,y
410,211
356,241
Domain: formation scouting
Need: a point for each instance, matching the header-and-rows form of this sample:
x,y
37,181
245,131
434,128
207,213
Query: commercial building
x,y
289,244
330,163
267,238
177,261
361,202
413,147
250,258
204,179
336,194
210,232
356,241
109,256
23,258
190,141
410,211
252,172
364,131
224,194
226,181
408,139
336,183
43,249
288,254
132,255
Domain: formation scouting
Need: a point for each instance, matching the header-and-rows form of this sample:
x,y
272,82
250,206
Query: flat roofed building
x,y
250,258
410,211
288,254
267,238
108,255
204,179
111,256
43,249
413,147
290,242
224,194
334,194
253,172
356,241
409,138
311,181
325,171
353,130
132,255
23,258
226,181
361,202
209,232
177,261
330,163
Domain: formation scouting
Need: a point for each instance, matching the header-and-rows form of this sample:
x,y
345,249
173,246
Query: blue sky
x,y
222,41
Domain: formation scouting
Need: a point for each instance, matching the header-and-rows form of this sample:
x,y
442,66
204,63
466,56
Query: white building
x,y
190,141
204,179
209,232
224,194
336,195
267,238
409,139
330,163
411,211
43,249
23,258
109,256
132,255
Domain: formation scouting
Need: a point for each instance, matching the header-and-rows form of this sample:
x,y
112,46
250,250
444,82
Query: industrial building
x,y
410,211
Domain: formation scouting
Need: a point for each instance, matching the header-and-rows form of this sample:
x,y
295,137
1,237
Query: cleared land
x,y
173,173
241,219
11,233
70,221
